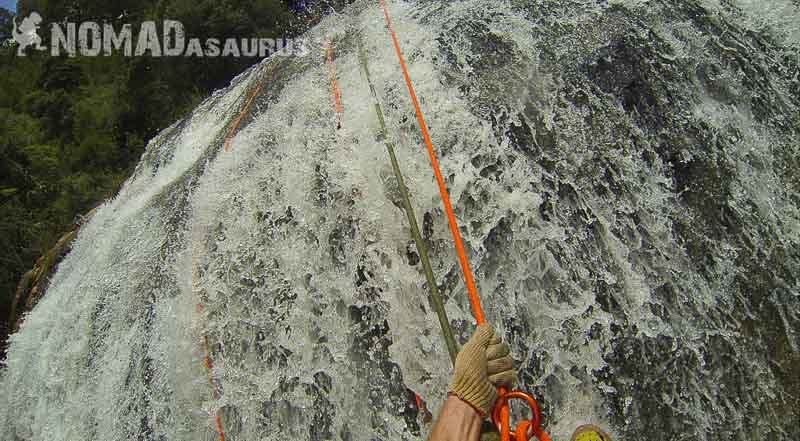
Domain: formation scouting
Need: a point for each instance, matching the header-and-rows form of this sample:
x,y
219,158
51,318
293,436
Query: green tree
x,y
6,25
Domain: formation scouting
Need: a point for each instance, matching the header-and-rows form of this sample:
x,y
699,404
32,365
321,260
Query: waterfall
x,y
625,175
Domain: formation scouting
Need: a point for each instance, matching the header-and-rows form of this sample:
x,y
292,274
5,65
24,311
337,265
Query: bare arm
x,y
482,365
458,421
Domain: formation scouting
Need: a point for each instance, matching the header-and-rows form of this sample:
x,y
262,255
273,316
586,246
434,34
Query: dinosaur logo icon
x,y
28,34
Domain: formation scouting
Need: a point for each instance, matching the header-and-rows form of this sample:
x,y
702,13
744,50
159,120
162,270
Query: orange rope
x,y
234,127
422,408
472,290
209,363
335,91
502,406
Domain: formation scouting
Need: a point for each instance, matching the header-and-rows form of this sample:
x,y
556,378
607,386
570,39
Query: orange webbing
x,y
335,91
472,290
234,127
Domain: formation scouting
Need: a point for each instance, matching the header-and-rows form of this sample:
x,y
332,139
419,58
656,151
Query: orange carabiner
x,y
526,429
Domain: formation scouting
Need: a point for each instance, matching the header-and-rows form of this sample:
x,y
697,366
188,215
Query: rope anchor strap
x,y
529,428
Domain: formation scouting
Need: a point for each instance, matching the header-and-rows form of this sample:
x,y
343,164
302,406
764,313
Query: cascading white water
x,y
625,176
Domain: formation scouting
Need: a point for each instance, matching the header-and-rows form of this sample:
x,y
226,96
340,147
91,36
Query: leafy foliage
x,y
5,25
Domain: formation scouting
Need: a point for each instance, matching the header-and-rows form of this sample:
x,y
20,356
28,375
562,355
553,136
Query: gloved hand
x,y
482,365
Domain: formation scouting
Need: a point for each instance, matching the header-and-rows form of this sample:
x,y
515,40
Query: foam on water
x,y
623,177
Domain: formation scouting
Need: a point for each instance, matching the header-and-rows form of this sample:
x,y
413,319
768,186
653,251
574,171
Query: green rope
x,y
436,298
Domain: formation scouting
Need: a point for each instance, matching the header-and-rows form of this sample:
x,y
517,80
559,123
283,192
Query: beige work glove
x,y
483,365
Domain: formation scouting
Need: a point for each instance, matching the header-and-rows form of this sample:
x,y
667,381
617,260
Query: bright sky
x,y
11,5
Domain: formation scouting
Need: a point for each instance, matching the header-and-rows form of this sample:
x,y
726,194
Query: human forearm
x,y
458,421
482,365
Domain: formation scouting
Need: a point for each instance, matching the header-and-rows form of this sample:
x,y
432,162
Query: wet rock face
x,y
644,81
625,177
